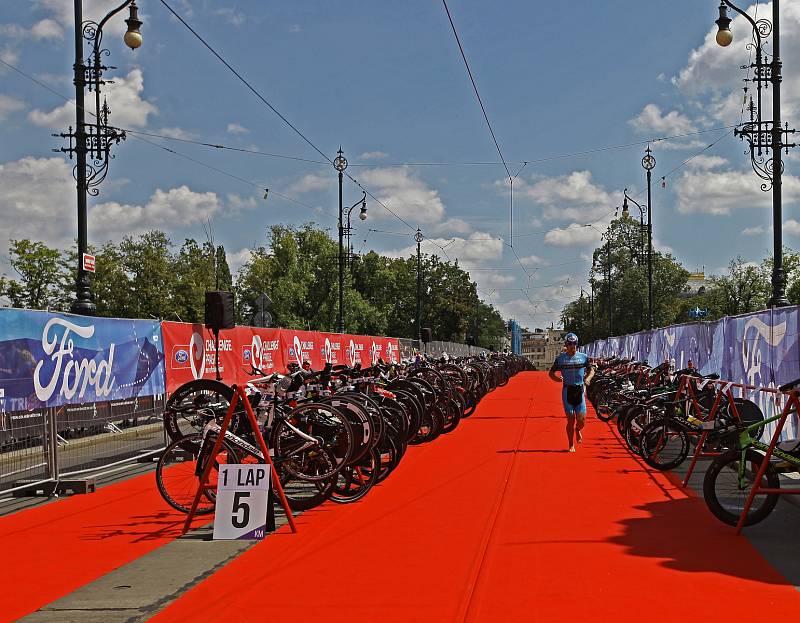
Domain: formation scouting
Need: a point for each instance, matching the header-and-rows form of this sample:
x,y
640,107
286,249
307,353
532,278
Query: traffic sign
x,y
242,501
88,263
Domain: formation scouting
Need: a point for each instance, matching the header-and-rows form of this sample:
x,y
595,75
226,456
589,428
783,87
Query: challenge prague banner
x,y
191,354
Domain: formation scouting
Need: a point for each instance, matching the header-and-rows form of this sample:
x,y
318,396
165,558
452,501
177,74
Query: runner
x,y
573,366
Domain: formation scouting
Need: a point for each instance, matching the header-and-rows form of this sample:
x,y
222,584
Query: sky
x,y
574,93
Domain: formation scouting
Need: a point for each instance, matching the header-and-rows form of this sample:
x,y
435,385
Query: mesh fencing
x,y
60,442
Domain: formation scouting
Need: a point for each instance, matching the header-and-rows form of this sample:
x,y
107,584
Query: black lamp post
x,y
649,163
93,140
591,311
340,164
348,230
608,283
642,210
419,237
765,136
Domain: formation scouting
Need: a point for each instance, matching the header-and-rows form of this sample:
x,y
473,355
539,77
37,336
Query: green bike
x,y
732,474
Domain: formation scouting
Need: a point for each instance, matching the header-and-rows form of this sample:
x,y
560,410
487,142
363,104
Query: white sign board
x,y
242,498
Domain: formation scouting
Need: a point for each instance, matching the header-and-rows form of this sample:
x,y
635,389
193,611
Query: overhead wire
x,y
486,117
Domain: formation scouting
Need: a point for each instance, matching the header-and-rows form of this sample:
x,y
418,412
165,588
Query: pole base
x,y
779,301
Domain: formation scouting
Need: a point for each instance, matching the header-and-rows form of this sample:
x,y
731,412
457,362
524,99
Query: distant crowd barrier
x,y
759,349
77,392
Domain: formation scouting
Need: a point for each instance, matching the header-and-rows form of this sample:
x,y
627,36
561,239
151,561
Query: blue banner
x,y
50,360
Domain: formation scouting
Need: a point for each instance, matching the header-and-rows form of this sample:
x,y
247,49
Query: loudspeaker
x,y
425,334
470,340
219,311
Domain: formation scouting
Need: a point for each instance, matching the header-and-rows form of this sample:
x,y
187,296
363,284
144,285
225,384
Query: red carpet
x,y
51,550
496,523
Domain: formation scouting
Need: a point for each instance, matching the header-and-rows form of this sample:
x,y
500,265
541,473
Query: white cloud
x,y
404,193
791,227
533,260
47,29
177,207
235,128
372,155
754,231
9,105
128,109
43,29
707,162
232,16
572,196
38,202
574,234
713,70
311,182
724,191
652,120
452,225
176,133
62,12
238,259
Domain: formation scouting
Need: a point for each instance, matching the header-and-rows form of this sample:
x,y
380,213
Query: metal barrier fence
x,y
57,445
409,347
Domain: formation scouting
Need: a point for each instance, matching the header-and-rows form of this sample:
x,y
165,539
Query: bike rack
x,y
687,388
239,394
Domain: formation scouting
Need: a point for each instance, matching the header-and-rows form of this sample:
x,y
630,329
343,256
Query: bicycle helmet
x,y
570,338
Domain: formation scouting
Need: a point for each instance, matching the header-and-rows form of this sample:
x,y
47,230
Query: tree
x,y
41,281
147,261
746,288
621,265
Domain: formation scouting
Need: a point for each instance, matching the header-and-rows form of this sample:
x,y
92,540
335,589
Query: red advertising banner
x,y
299,346
189,353
261,348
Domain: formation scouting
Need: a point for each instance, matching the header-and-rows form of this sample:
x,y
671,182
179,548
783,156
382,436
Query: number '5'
x,y
238,505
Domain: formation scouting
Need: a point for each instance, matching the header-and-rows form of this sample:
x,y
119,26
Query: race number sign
x,y
242,501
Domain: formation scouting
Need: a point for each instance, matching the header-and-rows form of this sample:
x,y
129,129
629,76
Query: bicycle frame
x,y
792,406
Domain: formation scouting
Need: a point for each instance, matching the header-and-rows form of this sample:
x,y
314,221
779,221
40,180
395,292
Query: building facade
x,y
541,346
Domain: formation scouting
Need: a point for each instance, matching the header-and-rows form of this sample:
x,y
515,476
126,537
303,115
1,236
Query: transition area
x,y
494,522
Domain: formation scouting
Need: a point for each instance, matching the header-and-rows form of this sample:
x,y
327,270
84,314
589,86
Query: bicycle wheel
x,y
663,446
355,481
178,472
195,403
726,496
303,457
303,495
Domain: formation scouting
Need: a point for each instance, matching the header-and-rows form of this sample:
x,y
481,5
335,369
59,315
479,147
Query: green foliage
x,y
622,253
41,277
145,277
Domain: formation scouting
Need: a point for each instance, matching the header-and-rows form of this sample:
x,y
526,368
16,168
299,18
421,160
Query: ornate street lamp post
x,y
93,140
418,237
649,163
765,136
348,230
340,164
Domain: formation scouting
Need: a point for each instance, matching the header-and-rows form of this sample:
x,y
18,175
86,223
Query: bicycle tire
x,y
182,413
178,473
653,444
722,468
321,421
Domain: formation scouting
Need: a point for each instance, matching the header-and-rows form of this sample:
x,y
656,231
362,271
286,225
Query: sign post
x,y
242,501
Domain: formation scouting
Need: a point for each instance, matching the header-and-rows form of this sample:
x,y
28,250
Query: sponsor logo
x,y
181,355
197,355
75,376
